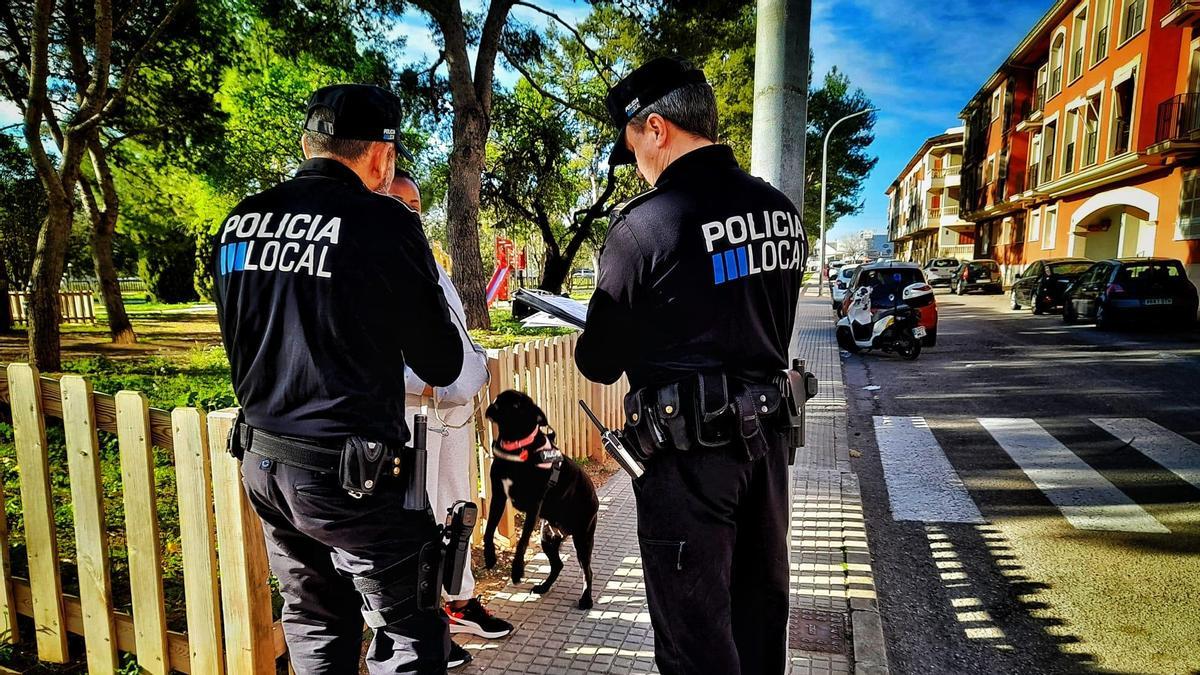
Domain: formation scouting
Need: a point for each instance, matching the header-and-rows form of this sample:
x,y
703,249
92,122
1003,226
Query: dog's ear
x,y
490,413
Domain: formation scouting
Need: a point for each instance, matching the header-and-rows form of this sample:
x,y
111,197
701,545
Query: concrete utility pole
x,y
781,95
824,179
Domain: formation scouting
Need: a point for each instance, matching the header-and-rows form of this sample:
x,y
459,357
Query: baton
x,y
416,498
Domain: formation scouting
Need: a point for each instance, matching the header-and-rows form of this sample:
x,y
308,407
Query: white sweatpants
x,y
449,474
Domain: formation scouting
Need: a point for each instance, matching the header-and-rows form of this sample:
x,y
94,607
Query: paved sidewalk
x,y
831,573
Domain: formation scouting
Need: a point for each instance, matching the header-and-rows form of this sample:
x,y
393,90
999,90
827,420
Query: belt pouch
x,y
757,407
362,464
637,426
669,415
713,410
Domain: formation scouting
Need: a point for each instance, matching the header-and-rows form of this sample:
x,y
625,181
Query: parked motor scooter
x,y
896,329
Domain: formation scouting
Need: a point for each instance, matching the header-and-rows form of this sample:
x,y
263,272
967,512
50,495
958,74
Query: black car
x,y
1131,288
1043,283
981,275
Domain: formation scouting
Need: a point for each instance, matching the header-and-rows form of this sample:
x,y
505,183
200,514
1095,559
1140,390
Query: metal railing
x,y
1069,158
1077,62
1047,168
1122,139
1178,118
1091,143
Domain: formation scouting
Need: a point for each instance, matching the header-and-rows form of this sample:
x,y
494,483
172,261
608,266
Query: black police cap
x,y
639,89
361,112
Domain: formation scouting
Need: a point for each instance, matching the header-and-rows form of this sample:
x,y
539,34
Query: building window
x,y
1039,97
1078,41
1133,18
996,105
1101,30
1035,225
989,174
1091,130
1035,159
1189,207
1069,142
1123,116
1048,147
1051,229
1056,64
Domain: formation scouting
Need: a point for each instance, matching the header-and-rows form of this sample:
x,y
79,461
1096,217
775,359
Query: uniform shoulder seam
x,y
635,200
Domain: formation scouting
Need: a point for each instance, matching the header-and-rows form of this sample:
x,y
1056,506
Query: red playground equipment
x,y
507,260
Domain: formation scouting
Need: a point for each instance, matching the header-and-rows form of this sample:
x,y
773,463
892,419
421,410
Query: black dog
x,y
522,470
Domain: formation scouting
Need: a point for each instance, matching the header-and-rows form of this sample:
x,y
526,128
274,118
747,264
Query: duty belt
x,y
292,451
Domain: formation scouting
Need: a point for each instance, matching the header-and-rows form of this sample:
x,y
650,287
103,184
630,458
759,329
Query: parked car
x,y
940,270
1042,284
1122,289
832,268
981,275
888,281
840,284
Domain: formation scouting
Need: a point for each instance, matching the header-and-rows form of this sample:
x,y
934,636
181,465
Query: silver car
x,y
940,270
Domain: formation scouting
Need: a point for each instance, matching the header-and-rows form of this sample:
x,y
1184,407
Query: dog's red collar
x,y
512,446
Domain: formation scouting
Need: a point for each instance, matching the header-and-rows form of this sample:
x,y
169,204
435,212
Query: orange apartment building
x,y
923,203
1086,141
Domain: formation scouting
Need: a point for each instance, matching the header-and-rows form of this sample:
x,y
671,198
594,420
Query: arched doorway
x,y
1115,224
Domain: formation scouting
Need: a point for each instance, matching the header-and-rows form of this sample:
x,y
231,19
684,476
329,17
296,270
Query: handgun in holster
x,y
797,386
456,535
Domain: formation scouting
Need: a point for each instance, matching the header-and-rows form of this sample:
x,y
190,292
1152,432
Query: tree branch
x,y
520,68
489,45
597,61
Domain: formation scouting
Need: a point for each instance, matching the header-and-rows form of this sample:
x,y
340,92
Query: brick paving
x,y
830,560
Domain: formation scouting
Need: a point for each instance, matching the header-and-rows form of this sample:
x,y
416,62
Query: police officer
x,y
695,302
325,290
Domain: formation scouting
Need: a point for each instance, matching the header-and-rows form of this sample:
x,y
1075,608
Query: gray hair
x,y
324,144
692,108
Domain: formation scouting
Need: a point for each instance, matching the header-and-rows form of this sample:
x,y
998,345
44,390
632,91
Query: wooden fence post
x,y
197,529
37,503
91,537
245,574
141,531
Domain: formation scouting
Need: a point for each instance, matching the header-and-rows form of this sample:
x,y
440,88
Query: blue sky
x,y
918,62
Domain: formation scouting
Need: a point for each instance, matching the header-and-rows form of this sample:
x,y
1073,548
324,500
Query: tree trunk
x,y
119,326
462,213
558,265
44,312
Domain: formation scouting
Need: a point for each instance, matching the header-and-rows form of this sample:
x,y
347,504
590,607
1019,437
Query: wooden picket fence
x,y
226,578
73,307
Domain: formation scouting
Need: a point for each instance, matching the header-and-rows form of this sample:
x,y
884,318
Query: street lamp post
x,y
824,179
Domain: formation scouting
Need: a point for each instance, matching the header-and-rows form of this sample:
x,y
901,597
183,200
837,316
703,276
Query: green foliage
x,y
22,207
507,331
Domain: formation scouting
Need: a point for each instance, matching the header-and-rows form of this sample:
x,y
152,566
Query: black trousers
x,y
319,541
712,524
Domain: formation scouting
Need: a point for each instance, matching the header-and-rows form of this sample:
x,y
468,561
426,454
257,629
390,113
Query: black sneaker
x,y
459,657
476,620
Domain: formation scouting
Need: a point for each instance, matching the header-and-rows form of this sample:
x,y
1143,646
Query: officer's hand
x,y
489,554
518,569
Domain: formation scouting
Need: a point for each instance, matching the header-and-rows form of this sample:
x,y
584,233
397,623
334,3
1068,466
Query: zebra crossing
x,y
924,486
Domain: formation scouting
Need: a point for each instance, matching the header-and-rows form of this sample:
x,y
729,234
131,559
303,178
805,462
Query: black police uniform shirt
x,y
324,290
701,273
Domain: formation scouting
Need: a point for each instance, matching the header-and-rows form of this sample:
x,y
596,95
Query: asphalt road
x,y
1017,528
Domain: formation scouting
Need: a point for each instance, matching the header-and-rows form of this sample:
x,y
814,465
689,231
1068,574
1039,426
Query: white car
x,y
940,270
840,283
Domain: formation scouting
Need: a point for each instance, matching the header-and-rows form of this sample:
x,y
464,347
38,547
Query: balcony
x,y
944,177
1183,13
1178,128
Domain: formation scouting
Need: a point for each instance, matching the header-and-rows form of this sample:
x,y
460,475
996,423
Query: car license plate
x,y
919,332
1158,301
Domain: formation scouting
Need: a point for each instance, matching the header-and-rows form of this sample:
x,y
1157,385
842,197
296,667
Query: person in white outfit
x,y
450,441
